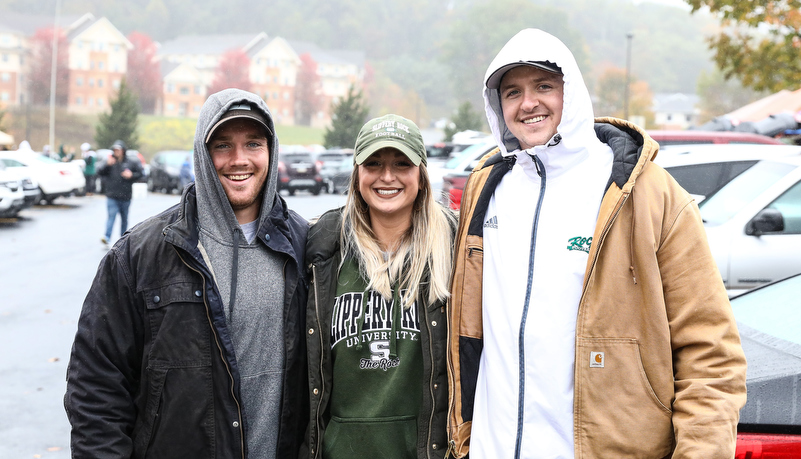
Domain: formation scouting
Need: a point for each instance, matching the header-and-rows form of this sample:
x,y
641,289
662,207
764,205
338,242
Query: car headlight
x,y
11,185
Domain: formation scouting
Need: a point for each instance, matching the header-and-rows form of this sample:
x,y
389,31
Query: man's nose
x,y
530,101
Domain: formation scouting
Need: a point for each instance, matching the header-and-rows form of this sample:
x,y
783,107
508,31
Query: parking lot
x,y
48,258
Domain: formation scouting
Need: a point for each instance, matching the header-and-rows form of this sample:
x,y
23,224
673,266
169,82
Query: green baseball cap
x,y
390,131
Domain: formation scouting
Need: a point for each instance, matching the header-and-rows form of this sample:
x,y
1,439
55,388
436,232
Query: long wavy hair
x,y
421,257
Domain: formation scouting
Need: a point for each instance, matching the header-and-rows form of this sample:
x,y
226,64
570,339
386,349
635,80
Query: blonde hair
x,y
423,254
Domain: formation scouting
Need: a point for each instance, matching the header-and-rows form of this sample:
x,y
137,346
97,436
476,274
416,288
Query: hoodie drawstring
x,y
631,239
234,277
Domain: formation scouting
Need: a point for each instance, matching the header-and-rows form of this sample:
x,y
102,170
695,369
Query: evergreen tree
x,y
348,117
465,119
121,122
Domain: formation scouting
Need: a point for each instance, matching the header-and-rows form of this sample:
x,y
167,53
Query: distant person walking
x,y
89,170
186,175
120,174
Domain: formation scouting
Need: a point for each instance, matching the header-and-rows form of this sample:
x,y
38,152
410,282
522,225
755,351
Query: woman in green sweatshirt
x,y
380,269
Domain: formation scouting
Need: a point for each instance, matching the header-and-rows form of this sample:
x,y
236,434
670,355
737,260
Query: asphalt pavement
x,y
48,258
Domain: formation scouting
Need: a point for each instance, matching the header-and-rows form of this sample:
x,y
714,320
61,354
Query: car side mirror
x,y
766,221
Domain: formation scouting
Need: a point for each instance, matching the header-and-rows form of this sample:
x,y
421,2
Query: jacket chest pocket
x,y
179,326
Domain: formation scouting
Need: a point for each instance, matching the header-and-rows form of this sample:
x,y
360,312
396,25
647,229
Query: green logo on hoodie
x,y
580,243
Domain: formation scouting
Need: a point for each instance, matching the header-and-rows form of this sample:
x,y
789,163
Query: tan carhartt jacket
x,y
659,370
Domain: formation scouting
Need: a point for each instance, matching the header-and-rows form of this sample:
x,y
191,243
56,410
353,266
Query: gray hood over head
x,y
214,210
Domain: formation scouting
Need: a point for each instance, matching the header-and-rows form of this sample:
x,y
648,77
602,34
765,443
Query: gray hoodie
x,y
249,277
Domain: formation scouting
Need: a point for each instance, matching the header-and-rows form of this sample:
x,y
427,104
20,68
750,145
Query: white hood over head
x,y
576,129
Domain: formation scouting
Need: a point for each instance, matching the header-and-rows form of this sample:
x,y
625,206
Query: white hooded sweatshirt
x,y
537,234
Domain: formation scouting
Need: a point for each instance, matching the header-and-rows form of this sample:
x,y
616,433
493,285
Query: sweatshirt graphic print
x,y
377,373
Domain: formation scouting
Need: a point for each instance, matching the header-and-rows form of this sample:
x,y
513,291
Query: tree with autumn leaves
x,y
144,77
233,71
307,91
759,42
42,65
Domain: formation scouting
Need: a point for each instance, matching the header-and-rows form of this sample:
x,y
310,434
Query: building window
x,y
286,95
689,118
116,48
275,79
275,95
197,108
90,101
116,84
79,81
5,76
79,100
170,88
99,82
170,107
5,57
4,96
670,117
184,90
197,89
100,65
91,82
99,102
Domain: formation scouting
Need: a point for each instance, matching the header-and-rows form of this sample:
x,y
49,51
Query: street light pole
x,y
629,36
53,71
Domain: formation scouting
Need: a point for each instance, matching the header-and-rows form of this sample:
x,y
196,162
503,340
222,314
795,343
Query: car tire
x,y
316,190
291,191
150,185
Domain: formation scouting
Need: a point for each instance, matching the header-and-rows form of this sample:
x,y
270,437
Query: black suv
x,y
299,171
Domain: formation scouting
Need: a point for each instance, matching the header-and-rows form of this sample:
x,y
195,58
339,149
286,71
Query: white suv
x,y
12,197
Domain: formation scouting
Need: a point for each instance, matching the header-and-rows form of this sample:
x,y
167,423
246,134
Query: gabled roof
x,y
208,44
329,57
28,24
89,22
783,101
675,103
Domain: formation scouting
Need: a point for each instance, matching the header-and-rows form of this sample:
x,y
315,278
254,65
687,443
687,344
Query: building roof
x,y
783,101
28,24
208,44
675,103
326,56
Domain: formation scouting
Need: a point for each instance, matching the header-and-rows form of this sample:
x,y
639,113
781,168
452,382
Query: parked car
x,y
30,188
463,162
165,170
753,224
341,179
298,170
330,160
452,188
769,320
704,169
12,198
668,138
55,179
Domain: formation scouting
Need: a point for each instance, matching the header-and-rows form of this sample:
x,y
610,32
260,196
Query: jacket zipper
x,y
431,376
522,341
319,440
222,355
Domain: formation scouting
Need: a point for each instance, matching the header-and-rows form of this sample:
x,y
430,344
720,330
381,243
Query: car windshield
x,y
45,159
774,310
721,206
470,151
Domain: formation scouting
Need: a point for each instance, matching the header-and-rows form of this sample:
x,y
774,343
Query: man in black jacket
x,y
119,174
190,343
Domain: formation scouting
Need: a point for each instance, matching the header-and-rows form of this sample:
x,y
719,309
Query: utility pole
x,y
53,71
629,36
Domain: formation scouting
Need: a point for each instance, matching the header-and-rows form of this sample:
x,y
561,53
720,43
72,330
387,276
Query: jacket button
x,y
434,323
436,386
236,424
267,237
311,331
198,293
316,391
156,299
434,446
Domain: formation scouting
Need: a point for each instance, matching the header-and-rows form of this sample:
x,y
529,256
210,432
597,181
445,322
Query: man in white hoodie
x,y
587,320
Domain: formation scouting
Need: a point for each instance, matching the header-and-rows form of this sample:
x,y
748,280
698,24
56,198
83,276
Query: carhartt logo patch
x,y
596,359
579,243
492,222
